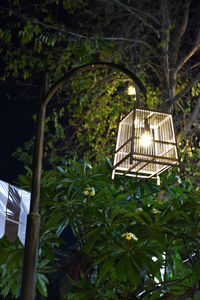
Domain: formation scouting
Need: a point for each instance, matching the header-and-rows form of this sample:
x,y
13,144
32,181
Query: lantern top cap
x,y
152,110
144,110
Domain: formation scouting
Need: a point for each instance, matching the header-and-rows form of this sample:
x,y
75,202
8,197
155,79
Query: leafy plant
x,y
130,238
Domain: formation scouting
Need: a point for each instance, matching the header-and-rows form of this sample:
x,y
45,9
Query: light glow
x,y
146,139
131,90
154,258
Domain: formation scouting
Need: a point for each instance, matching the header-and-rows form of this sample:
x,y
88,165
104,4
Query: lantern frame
x,y
133,159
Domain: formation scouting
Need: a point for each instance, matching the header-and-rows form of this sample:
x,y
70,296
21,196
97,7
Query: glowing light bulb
x,y
131,90
146,139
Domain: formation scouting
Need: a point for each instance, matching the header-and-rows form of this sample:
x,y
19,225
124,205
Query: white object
x,y
146,144
14,208
145,140
131,90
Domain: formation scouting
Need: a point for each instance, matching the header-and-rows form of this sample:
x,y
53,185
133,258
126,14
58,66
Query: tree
x,y
160,42
69,33
133,239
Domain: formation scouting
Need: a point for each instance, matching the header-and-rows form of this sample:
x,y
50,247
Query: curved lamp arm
x,y
92,66
33,218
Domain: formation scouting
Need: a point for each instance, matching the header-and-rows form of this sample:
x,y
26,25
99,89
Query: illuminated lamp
x,y
131,90
146,144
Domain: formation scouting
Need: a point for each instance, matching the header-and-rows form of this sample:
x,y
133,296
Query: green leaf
x,y
41,282
133,274
105,268
196,272
43,263
109,162
169,216
90,243
122,268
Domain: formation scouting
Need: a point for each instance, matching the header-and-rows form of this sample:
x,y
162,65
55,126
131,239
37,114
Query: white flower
x,y
129,236
89,192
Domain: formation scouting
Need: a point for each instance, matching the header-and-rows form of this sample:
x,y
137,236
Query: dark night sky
x,y
16,127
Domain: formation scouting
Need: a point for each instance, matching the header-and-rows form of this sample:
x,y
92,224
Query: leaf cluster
x,y
96,259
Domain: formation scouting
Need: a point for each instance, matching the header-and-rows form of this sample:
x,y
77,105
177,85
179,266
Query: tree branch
x,y
187,57
165,48
159,286
195,115
77,35
150,16
179,32
195,65
169,102
132,12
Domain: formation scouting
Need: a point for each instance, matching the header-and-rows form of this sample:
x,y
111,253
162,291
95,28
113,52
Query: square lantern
x,y
146,144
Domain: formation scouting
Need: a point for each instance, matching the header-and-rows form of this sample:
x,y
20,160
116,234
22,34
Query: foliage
x,y
92,114
118,226
150,38
190,158
131,237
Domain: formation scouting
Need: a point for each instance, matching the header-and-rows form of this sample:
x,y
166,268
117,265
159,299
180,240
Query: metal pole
x,y
33,218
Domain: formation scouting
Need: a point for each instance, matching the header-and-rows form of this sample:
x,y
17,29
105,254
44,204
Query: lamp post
x,y
33,218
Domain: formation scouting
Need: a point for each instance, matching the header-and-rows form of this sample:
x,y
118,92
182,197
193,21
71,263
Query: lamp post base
x,y
30,257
